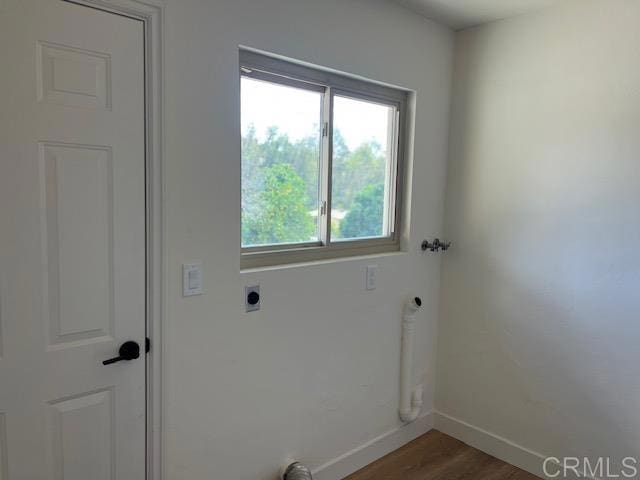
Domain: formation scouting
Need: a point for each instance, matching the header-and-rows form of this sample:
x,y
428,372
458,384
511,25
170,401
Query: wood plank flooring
x,y
436,456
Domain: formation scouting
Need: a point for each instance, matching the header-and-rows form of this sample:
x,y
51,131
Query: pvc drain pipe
x,y
410,402
296,471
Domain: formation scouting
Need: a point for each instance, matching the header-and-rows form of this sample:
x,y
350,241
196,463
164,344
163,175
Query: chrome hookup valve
x,y
435,246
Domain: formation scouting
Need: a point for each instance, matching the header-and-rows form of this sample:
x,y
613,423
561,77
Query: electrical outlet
x,y
372,273
252,298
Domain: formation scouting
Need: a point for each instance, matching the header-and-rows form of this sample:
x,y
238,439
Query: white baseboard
x,y
361,456
492,444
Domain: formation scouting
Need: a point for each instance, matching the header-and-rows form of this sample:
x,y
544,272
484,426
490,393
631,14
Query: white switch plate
x,y
191,279
372,273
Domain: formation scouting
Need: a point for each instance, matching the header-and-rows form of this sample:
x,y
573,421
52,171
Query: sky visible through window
x,y
285,107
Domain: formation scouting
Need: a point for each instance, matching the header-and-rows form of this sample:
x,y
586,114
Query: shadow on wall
x,y
539,331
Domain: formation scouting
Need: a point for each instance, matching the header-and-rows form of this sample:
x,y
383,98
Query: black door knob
x,y
128,351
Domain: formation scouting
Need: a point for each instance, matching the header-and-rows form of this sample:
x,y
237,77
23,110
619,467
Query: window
x,y
321,163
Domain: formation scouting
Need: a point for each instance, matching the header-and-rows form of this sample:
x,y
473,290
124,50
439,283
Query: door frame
x,y
151,14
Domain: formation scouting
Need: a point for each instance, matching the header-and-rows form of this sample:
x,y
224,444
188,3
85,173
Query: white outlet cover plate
x,y
372,273
247,291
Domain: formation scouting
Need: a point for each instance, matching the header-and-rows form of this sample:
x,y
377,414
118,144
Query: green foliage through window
x,y
280,189
365,217
281,213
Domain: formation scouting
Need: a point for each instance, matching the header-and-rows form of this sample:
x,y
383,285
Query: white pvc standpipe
x,y
410,402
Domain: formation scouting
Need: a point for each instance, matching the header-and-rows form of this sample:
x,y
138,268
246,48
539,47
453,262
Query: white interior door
x,y
72,242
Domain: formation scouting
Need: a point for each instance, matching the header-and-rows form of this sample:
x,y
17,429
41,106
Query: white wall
x,y
539,339
315,373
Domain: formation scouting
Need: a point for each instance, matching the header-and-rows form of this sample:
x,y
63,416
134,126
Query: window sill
x,y
266,261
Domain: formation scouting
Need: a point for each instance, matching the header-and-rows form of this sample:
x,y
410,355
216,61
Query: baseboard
x,y
492,444
361,456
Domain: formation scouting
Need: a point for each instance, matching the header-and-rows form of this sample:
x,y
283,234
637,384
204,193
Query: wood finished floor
x,y
436,456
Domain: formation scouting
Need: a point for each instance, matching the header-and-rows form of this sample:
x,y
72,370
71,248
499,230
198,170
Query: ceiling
x,y
459,14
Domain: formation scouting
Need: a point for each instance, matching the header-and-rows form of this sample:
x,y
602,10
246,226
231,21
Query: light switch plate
x,y
191,279
372,273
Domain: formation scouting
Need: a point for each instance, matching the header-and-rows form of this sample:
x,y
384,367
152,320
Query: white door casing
x,y
72,242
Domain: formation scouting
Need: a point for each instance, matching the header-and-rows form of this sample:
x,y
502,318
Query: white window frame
x,y
275,70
